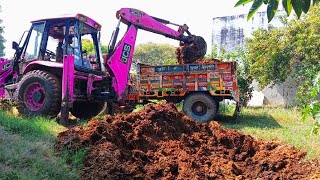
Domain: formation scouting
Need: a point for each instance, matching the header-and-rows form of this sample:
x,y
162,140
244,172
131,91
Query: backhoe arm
x,y
191,47
153,24
120,56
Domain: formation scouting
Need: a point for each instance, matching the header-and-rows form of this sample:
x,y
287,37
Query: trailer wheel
x,y
86,110
39,93
200,107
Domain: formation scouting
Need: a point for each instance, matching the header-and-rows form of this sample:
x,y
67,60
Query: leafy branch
x,y
298,6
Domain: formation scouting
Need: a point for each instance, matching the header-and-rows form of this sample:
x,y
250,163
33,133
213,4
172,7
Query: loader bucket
x,y
189,53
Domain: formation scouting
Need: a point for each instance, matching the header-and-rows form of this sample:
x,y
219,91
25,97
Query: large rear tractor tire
x,y
86,110
200,106
39,94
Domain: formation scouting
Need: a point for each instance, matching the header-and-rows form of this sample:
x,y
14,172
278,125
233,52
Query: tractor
x,y
52,72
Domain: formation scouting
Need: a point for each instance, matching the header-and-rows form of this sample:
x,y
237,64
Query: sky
x,y
197,14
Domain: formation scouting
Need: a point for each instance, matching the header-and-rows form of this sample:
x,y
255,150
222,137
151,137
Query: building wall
x,y
229,32
279,94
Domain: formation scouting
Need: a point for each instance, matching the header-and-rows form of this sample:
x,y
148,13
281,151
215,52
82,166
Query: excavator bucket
x,y
189,53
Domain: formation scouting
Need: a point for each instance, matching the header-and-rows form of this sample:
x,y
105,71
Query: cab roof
x,y
78,16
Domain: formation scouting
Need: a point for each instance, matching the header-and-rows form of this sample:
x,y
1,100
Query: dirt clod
x,y
6,104
161,143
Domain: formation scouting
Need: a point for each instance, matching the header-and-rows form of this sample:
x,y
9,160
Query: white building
x,y
229,32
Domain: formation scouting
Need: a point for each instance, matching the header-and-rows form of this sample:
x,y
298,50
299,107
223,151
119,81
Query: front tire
x,y
200,106
39,94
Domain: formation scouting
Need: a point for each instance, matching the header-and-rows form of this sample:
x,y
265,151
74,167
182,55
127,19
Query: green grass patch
x,y
226,109
277,123
27,150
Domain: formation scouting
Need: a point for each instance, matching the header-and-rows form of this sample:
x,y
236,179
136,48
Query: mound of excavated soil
x,y
160,142
206,61
6,104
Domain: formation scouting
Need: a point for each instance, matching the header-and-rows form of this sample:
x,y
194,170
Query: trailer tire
x,y
86,110
200,106
39,94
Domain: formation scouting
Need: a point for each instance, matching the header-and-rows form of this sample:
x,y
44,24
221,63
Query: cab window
x,y
34,43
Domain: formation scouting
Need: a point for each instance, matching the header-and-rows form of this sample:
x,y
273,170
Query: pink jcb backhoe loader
x,y
51,71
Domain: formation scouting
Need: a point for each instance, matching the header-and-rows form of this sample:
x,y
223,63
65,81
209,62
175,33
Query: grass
x,y
279,124
27,150
27,144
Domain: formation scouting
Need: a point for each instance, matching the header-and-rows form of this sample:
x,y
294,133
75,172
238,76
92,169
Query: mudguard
x,y
34,64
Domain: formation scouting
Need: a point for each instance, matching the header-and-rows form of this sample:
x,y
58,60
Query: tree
x,y
104,49
243,68
214,53
89,47
292,50
298,6
2,40
155,54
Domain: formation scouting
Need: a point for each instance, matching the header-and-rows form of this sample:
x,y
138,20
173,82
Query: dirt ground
x,y
161,143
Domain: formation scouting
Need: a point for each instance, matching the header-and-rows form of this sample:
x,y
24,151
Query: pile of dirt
x,y
6,104
188,53
183,57
160,142
206,61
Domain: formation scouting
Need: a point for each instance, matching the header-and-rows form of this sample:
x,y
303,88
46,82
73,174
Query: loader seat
x,y
59,52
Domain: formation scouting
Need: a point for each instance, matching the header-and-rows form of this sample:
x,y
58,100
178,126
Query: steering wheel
x,y
50,54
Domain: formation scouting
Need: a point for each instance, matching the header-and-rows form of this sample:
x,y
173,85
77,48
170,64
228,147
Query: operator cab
x,y
52,39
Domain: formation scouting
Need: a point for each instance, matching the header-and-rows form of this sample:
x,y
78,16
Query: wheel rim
x,y
199,108
34,96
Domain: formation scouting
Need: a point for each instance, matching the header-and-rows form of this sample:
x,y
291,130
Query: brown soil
x,y
186,54
206,61
6,104
161,143
181,58
180,51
